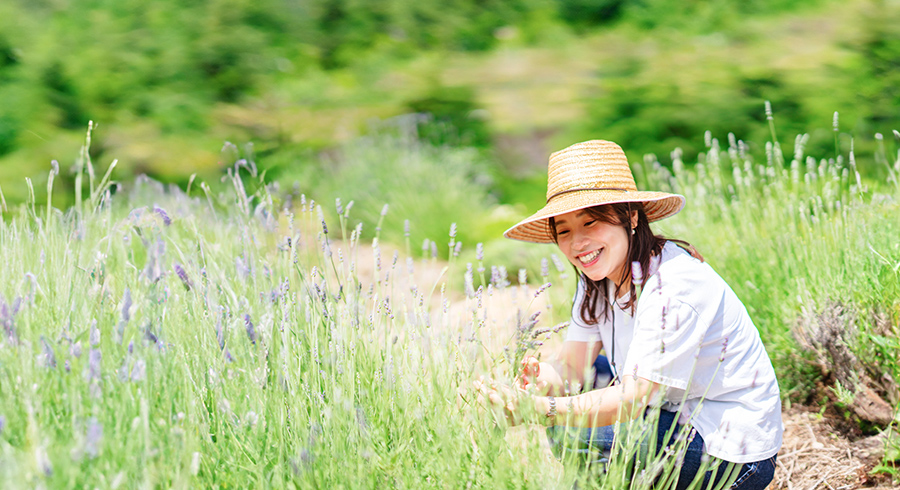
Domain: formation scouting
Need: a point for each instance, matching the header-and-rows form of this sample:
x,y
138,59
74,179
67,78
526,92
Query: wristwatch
x,y
552,411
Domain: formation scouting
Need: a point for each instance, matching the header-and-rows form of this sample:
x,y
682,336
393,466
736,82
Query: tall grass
x,y
158,338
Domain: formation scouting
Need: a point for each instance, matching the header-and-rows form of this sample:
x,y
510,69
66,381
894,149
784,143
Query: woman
x,y
676,336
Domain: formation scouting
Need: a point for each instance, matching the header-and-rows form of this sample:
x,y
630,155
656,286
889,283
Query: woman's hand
x,y
529,379
504,399
540,378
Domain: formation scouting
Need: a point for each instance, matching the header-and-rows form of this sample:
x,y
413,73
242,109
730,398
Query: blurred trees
x,y
167,66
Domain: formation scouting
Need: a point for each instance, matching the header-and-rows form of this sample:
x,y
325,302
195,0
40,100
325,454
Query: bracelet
x,y
552,411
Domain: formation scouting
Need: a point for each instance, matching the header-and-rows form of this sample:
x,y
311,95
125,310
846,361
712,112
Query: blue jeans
x,y
593,446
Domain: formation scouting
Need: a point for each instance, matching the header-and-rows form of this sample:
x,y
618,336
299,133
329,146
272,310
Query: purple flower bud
x,y
337,205
637,275
44,462
75,350
2,424
126,305
93,438
95,334
479,251
251,330
162,214
138,371
384,210
149,336
131,347
545,268
452,230
94,358
48,358
182,274
406,228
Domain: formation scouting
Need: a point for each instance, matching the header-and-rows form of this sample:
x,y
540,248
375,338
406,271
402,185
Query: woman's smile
x,y
588,259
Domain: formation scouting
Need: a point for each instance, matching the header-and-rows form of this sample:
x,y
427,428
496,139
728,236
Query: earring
x,y
632,231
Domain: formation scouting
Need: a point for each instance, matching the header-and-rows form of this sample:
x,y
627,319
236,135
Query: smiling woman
x,y
682,346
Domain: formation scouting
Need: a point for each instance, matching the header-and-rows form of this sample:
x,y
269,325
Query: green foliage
x,y
878,77
455,118
430,186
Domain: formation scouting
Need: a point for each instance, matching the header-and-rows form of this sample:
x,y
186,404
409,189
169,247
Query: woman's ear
x,y
634,219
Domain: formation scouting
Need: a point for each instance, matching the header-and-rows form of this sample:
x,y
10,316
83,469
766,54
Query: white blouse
x,y
691,334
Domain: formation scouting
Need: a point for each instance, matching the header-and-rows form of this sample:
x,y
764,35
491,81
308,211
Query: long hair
x,y
642,245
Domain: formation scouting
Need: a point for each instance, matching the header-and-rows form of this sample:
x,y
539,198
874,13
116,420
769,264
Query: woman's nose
x,y
580,240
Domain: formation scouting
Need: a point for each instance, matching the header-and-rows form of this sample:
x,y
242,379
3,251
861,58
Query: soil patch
x,y
817,453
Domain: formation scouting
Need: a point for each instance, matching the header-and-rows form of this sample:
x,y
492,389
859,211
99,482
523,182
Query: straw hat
x,y
585,175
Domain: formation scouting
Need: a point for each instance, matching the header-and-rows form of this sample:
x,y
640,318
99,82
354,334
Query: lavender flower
x,y
338,207
95,334
7,319
93,438
75,350
149,336
406,228
725,346
469,282
48,358
523,277
220,333
637,275
94,358
2,424
54,165
44,462
251,330
138,371
182,274
162,214
542,289
545,269
242,269
126,305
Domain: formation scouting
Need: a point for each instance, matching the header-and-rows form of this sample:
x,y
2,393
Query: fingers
x,y
531,366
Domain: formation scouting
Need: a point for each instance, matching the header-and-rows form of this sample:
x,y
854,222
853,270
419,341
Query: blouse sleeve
x,y
578,331
668,337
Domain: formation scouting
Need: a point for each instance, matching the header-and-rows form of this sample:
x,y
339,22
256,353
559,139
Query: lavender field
x,y
248,336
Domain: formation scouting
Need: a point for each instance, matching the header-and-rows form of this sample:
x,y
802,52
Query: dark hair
x,y
642,245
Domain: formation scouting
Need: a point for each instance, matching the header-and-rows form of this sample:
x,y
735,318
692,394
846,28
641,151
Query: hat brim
x,y
536,228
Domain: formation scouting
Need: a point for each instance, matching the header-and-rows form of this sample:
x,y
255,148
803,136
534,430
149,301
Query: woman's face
x,y
595,247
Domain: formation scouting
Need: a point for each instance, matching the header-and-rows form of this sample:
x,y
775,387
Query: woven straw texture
x,y
590,174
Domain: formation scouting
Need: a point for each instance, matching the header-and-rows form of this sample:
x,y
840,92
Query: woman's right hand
x,y
529,379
